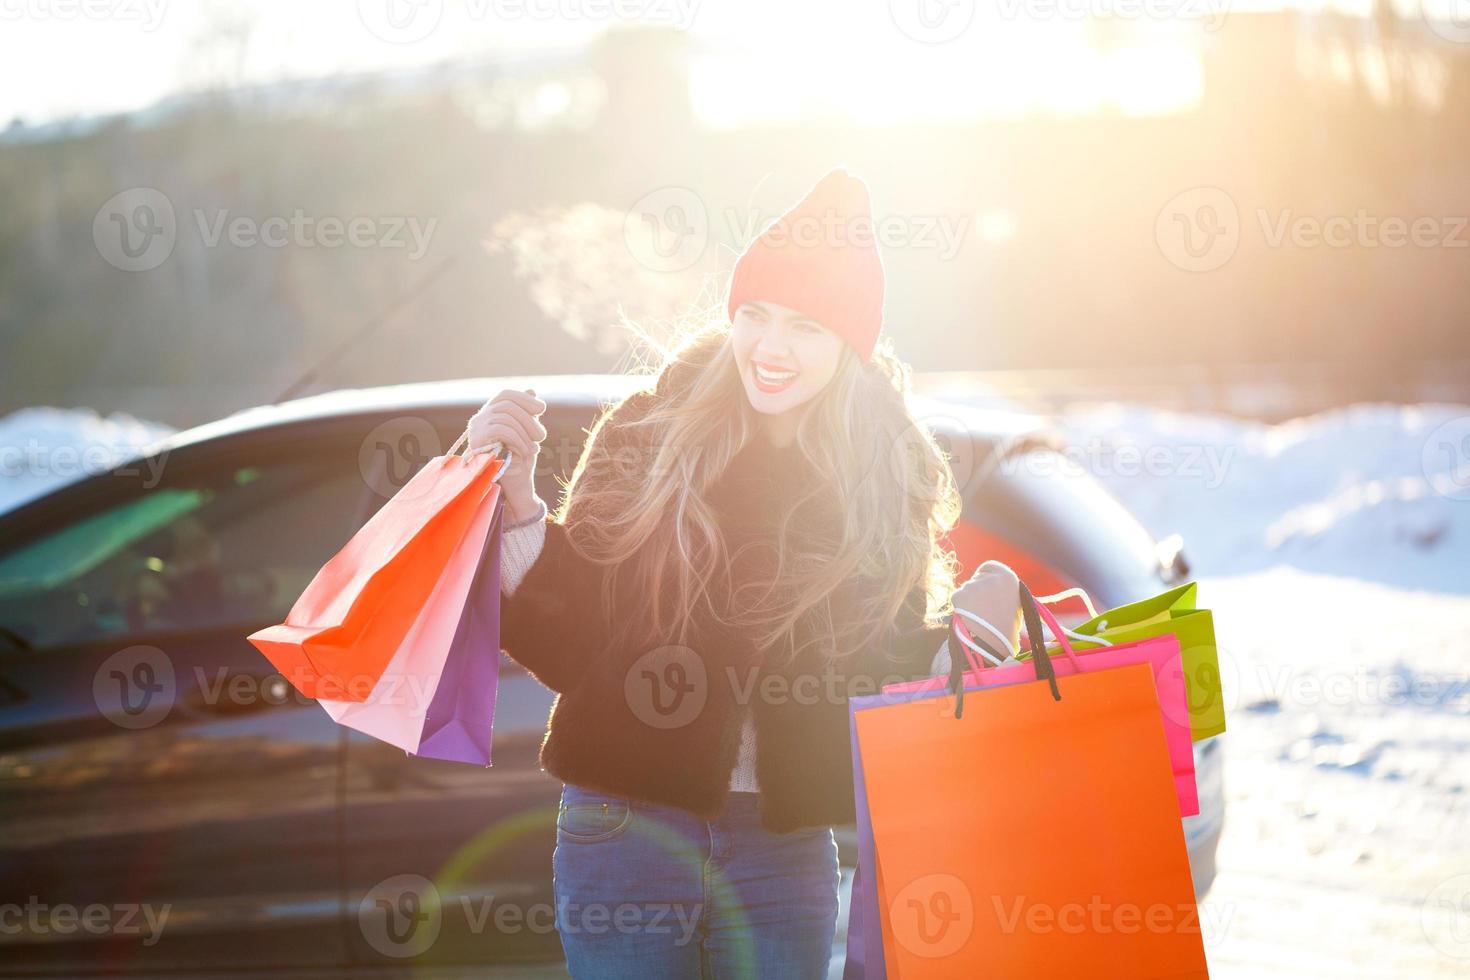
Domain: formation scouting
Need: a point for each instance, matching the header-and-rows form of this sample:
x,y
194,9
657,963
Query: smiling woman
x,y
770,510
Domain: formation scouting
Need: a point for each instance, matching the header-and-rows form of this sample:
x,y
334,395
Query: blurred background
x,y
1178,194
1221,248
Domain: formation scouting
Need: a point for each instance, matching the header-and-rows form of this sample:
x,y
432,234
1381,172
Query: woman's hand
x,y
511,418
994,594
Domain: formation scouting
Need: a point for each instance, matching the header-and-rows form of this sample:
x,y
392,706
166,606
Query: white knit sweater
x,y
521,545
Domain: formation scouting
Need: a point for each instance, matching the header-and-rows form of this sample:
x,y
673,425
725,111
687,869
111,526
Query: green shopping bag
x,y
1172,612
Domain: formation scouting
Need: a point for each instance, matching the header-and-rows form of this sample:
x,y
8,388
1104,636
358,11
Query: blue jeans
x,y
645,891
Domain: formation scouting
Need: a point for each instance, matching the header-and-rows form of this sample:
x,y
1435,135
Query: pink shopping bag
x,y
396,708
1161,653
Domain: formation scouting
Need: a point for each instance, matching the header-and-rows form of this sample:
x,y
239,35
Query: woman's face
x,y
784,357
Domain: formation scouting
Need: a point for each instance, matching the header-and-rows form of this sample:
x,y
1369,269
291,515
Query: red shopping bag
x,y
346,626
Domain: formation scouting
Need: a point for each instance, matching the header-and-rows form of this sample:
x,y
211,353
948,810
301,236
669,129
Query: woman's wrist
x,y
519,515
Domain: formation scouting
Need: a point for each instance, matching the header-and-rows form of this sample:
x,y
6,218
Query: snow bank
x,y
1374,492
42,448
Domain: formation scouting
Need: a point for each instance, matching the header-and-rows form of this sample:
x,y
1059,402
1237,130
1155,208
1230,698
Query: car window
x,y
230,547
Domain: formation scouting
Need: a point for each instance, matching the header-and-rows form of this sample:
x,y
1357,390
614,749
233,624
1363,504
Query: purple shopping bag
x,y
864,936
457,726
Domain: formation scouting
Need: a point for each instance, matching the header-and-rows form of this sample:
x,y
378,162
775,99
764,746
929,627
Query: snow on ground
x,y
1375,492
1346,850
42,448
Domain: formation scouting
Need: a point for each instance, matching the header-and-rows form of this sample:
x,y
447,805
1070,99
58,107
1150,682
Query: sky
x,y
60,58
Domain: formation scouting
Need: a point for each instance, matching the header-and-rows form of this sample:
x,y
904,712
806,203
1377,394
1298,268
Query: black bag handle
x,y
1034,635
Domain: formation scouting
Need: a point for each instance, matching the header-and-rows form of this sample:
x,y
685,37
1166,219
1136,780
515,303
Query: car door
x,y
166,800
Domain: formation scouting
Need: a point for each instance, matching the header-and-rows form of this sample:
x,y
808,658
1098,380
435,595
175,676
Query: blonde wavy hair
x,y
653,520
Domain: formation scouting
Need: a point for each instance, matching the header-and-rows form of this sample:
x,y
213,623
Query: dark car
x,y
169,803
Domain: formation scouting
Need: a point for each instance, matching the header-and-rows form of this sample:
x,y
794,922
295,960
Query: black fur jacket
x,y
662,723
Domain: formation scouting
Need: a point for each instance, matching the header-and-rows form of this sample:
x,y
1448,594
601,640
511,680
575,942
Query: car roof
x,y
568,390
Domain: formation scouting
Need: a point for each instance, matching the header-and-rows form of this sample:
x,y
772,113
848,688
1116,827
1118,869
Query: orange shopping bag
x,y
1034,834
346,626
